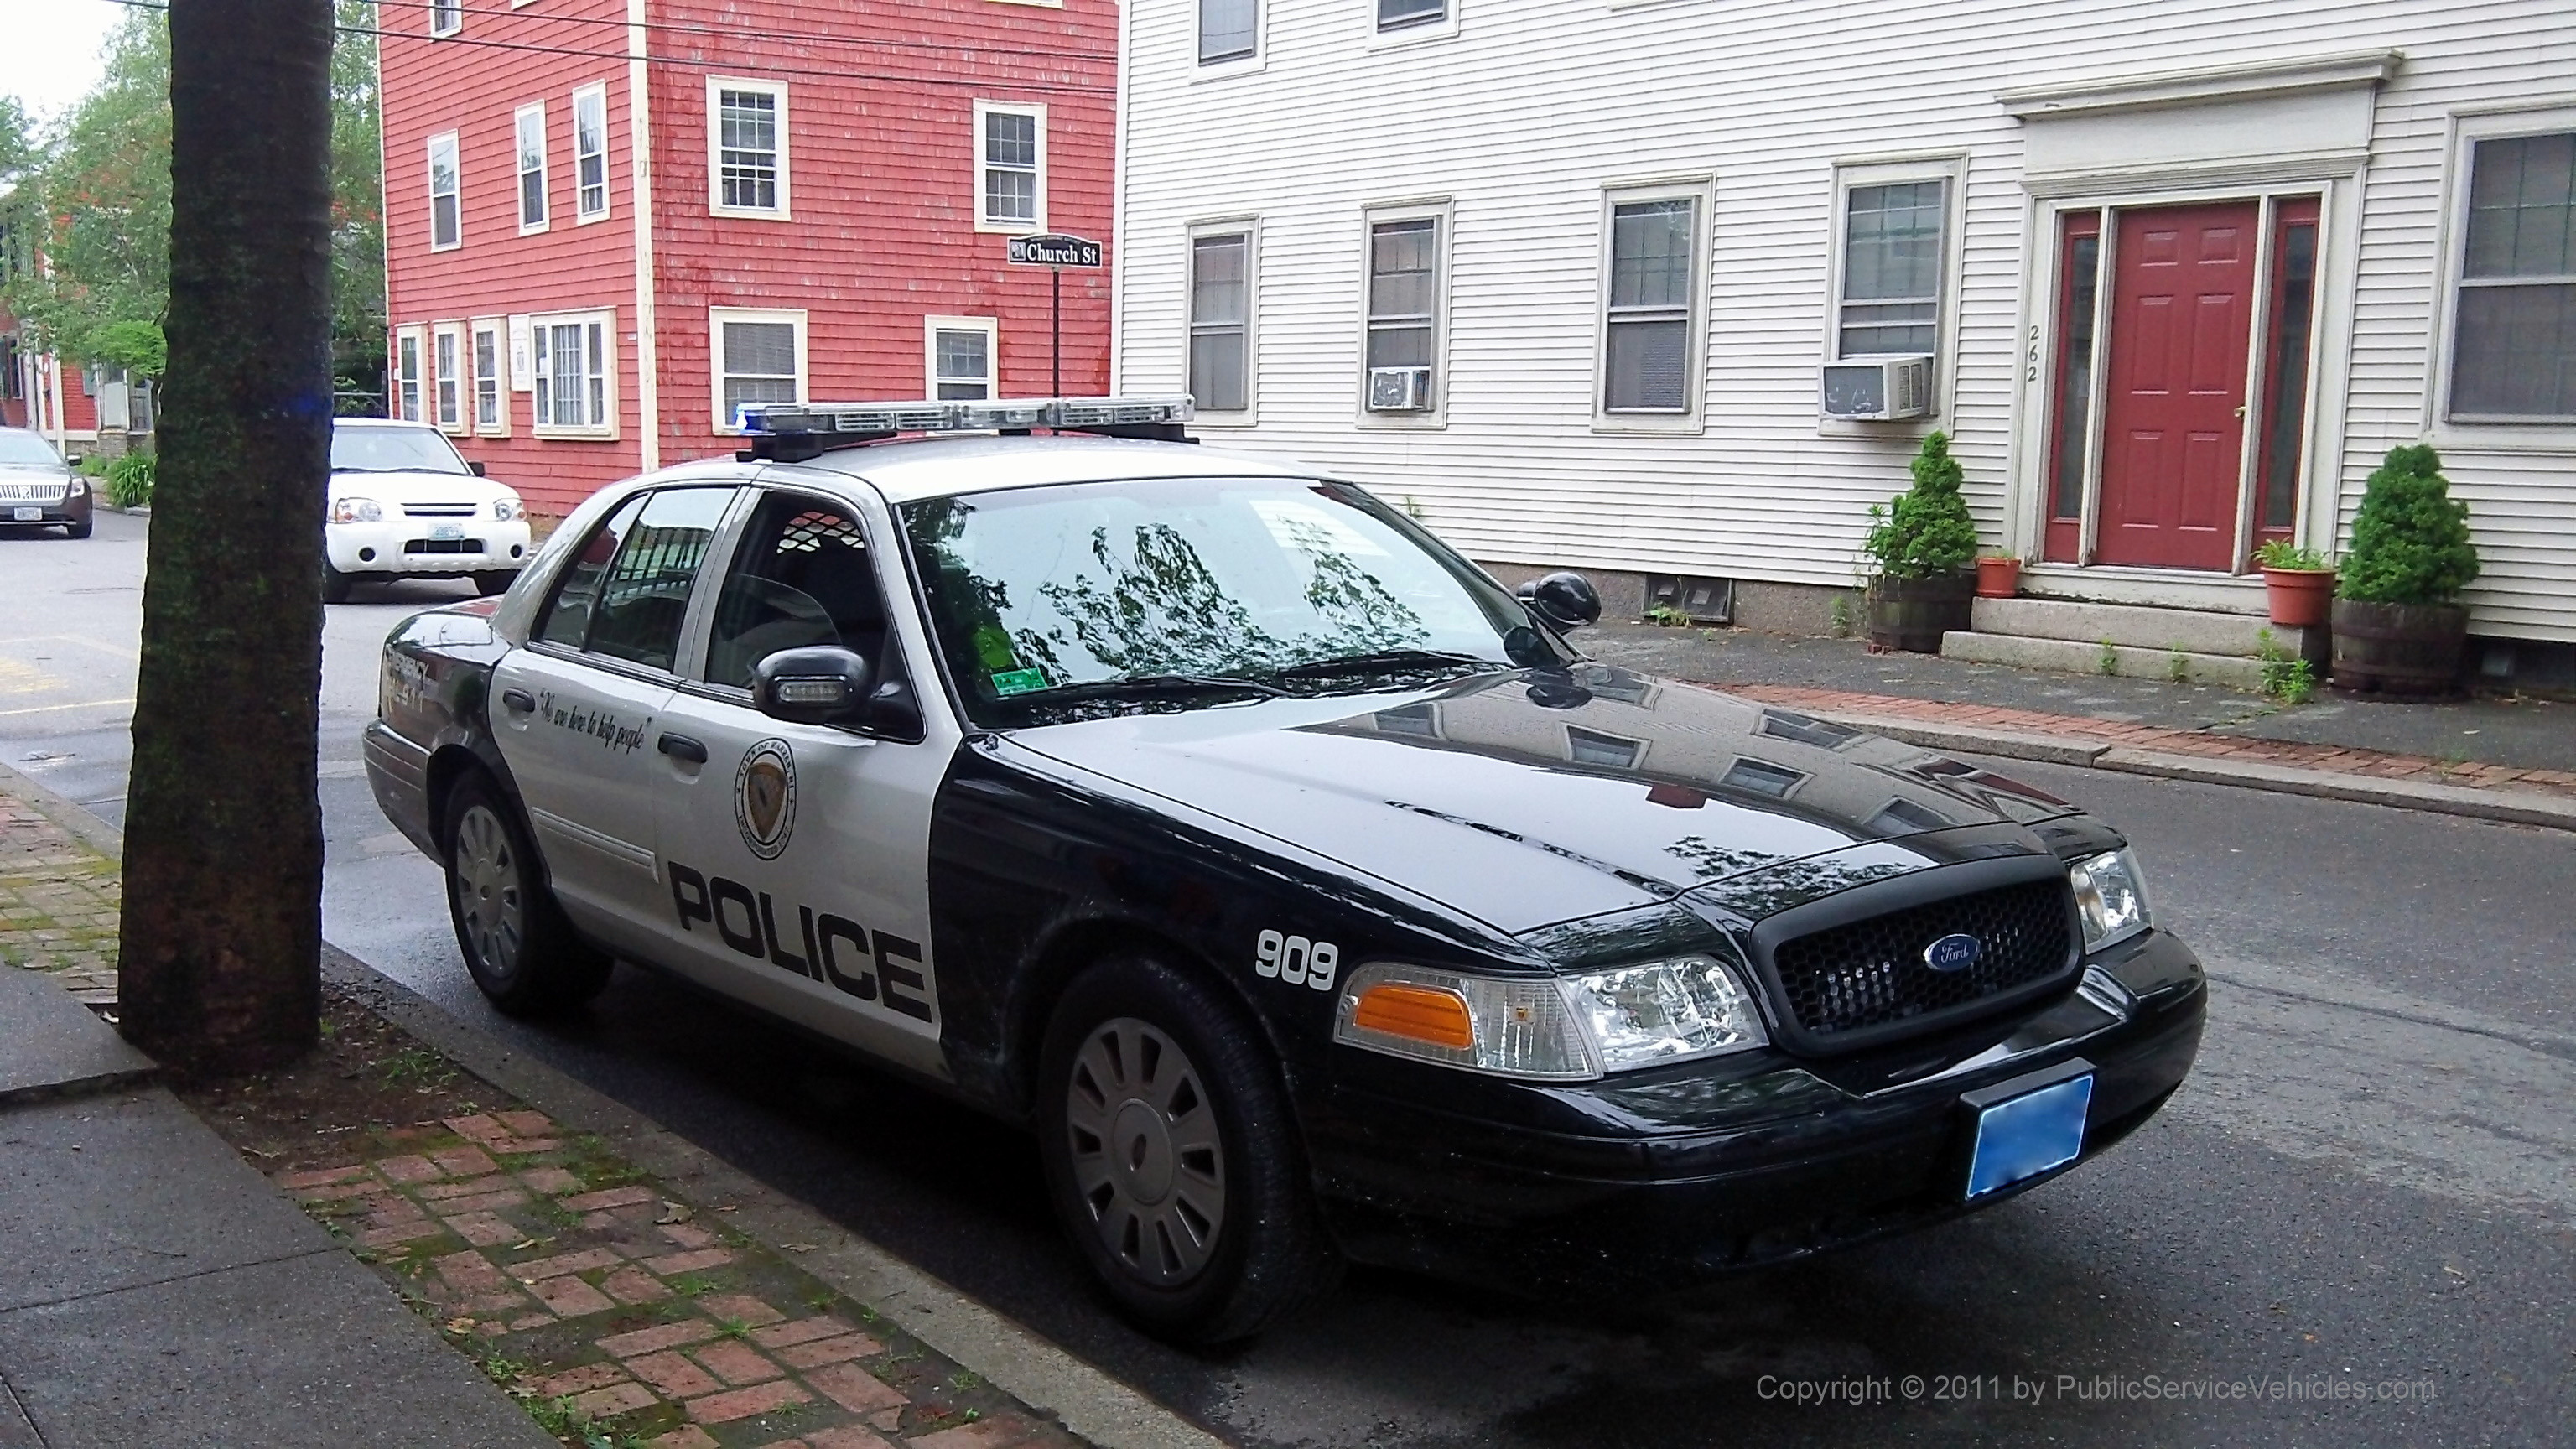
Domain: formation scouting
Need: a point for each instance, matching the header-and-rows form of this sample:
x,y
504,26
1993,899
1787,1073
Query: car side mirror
x,y
823,684
1566,600
475,467
71,460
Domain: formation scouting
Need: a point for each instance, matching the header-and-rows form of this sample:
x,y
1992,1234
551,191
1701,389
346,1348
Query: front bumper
x,y
73,509
1656,1178
439,547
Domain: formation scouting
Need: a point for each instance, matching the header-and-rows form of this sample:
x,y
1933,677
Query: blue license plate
x,y
447,530
2022,1137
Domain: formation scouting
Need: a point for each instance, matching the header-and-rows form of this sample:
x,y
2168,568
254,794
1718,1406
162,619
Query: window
x,y
1404,257
1592,747
2071,422
2513,339
568,613
1761,777
571,357
1891,268
446,17
624,596
531,127
447,375
1010,168
2286,345
760,358
961,356
746,148
406,398
1407,14
1220,310
1229,30
446,228
590,153
1652,316
800,579
491,388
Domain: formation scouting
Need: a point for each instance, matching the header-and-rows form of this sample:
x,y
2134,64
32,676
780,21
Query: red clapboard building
x,y
610,223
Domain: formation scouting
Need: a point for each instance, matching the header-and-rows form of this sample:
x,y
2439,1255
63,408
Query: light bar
x,y
941,416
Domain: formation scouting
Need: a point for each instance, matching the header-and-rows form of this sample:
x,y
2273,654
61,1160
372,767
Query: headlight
x,y
76,487
355,510
2111,896
1554,1028
508,508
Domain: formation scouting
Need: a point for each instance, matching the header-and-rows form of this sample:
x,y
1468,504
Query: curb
x,y
67,815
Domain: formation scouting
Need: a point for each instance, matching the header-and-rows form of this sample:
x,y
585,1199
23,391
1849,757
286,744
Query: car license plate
x,y
2028,1126
447,530
27,515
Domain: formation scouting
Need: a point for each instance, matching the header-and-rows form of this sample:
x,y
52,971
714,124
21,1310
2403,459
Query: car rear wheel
x,y
1172,1157
492,582
335,584
521,951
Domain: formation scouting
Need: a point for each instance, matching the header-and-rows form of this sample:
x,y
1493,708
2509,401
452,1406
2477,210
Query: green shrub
x,y
2410,542
129,480
2280,553
1924,531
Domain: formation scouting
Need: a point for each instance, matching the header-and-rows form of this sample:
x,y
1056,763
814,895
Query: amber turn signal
x,y
1417,1013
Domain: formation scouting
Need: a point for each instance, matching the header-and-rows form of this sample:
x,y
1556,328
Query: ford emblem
x,y
1953,953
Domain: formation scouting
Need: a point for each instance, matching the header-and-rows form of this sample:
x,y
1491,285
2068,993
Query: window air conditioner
x,y
1878,389
1399,389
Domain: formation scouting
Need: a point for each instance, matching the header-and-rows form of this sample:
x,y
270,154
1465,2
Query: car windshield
x,y
21,447
1175,592
392,450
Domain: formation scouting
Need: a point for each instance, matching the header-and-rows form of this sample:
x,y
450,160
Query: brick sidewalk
x,y
2207,743
58,904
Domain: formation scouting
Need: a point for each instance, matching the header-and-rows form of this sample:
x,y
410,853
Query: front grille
x,y
31,492
1871,973
442,545
438,510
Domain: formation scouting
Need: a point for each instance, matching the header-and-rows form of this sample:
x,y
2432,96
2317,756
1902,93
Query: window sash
x,y
1011,147
446,17
590,153
743,378
747,149
1220,355
571,375
531,127
1404,14
1895,236
444,214
2513,327
444,360
961,364
407,377
1653,304
487,378
1403,292
1228,30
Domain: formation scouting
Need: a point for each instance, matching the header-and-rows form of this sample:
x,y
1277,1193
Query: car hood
x,y
1527,799
35,472
417,486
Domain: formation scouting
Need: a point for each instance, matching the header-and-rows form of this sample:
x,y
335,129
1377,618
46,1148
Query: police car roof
x,y
916,468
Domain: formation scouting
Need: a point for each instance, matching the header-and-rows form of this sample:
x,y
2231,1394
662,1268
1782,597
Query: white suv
x,y
405,504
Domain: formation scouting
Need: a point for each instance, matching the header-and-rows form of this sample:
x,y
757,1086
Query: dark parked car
x,y
41,487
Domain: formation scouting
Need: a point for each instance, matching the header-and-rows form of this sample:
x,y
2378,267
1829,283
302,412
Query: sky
x,y
52,48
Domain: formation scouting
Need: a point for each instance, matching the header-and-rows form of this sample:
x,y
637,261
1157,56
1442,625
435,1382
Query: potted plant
x,y
1998,576
2297,583
1922,541
2398,626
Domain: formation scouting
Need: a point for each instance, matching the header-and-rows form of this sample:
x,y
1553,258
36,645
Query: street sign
x,y
1054,249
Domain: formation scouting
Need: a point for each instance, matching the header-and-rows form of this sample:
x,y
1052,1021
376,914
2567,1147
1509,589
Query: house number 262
x,y
1295,959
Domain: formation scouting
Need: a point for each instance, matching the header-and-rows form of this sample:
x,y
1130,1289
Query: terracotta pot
x,y
2299,598
1998,578
1913,614
2399,651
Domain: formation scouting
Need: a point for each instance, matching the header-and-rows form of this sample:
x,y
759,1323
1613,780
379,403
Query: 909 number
x,y
1295,960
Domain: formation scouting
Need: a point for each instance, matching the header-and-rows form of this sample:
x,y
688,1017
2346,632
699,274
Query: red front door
x,y
2174,423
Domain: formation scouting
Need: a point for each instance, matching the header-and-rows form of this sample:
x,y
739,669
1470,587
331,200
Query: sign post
x,y
1054,251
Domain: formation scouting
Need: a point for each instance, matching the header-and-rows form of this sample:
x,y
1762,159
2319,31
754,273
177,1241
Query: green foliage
x,y
2410,542
2177,665
129,480
2109,659
1842,616
2288,680
2280,553
1666,616
1925,531
137,347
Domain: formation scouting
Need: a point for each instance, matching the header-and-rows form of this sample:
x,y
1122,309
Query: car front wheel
x,y
335,584
1172,1157
492,582
521,951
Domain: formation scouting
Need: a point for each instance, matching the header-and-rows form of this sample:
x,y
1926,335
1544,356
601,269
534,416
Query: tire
x,y
522,953
1208,1232
335,584
80,529
494,581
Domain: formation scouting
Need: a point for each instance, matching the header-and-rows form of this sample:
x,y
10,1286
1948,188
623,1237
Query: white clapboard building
x,y
1670,290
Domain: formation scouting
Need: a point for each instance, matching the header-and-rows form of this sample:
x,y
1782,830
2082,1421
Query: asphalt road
x,y
2370,1181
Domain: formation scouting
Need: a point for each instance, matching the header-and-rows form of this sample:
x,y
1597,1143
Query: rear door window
x,y
626,594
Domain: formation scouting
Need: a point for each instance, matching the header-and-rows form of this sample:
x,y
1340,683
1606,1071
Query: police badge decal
x,y
764,797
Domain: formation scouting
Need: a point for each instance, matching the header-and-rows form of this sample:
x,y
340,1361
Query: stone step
x,y
2195,631
2075,656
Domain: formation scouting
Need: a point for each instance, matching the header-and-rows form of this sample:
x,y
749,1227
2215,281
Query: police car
x,y
1303,890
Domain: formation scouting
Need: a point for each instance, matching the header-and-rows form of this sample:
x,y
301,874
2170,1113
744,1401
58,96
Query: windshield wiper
x,y
1153,686
1383,661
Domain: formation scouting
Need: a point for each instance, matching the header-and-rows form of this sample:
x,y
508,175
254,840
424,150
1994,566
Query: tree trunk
x,y
219,966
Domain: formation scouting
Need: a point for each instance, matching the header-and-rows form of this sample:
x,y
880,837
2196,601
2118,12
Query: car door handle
x,y
681,747
519,699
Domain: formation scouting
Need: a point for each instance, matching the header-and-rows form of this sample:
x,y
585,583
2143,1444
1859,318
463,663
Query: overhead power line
x,y
667,27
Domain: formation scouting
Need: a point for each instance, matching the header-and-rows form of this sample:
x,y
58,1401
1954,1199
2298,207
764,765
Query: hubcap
x,y
490,898
1146,1155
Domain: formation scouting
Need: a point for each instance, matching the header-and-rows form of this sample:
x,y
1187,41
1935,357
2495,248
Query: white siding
x,y
1532,108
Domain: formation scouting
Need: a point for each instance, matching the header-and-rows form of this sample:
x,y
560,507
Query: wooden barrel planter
x,y
2398,651
1913,614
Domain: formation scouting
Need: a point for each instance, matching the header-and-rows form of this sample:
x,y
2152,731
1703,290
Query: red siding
x,y
881,192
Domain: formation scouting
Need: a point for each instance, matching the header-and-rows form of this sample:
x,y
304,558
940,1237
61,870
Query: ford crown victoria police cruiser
x,y
1300,888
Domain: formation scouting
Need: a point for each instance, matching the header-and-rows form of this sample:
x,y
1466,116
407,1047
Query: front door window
x,y
2071,407
2285,367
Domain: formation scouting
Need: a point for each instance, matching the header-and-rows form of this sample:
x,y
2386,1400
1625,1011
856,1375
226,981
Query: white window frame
x,y
1950,168
931,327
1253,63
717,85
1384,37
456,170
716,374
411,358
446,396
2539,435
452,12
1702,192
533,111
1440,212
497,375
1249,228
602,367
594,95
1009,226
